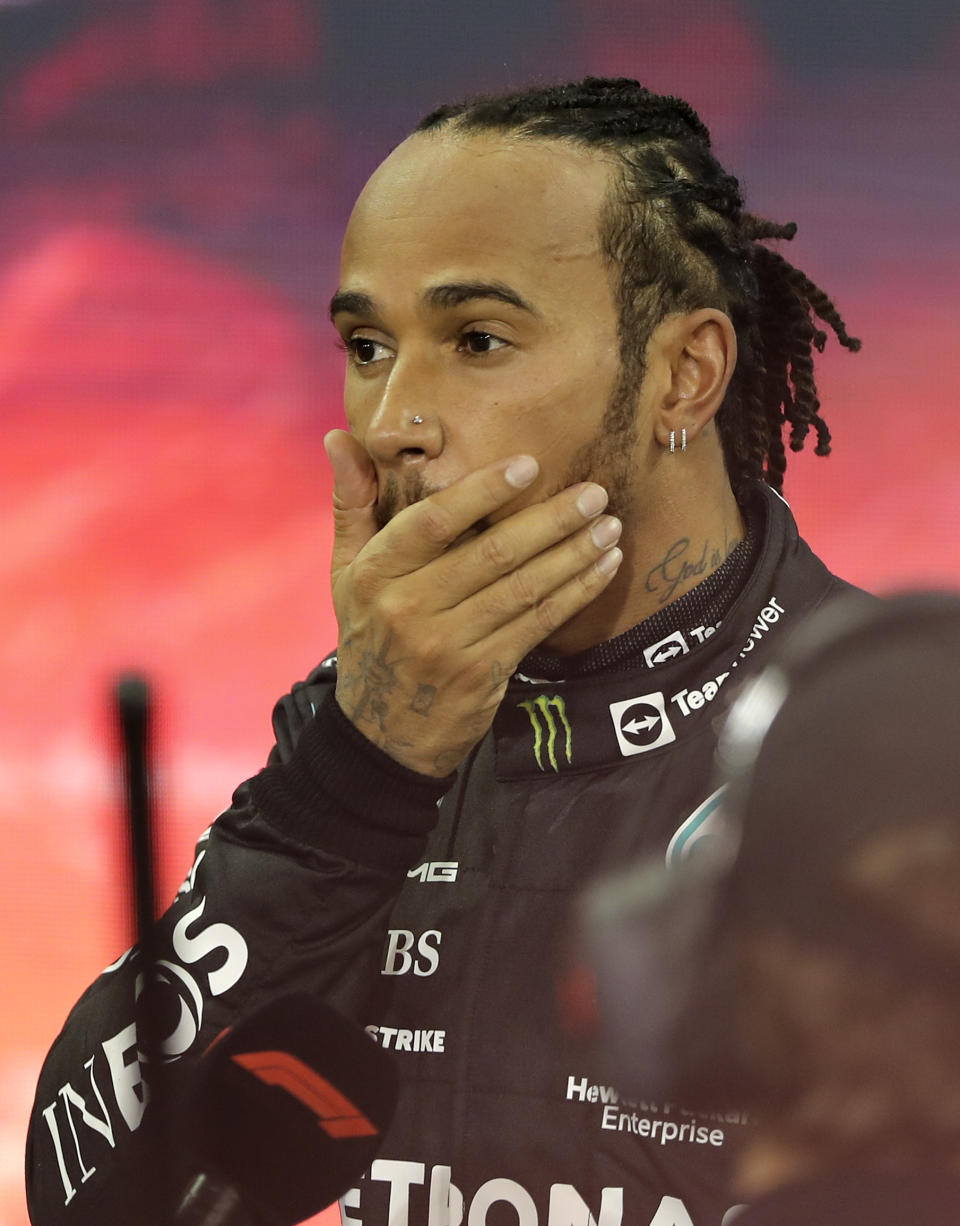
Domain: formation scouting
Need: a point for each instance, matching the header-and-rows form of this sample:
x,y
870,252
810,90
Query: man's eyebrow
x,y
454,293
351,302
440,297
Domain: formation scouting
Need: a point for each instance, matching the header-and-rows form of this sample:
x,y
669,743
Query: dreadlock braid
x,y
675,227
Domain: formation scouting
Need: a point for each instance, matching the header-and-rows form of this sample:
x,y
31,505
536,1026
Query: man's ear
x,y
697,353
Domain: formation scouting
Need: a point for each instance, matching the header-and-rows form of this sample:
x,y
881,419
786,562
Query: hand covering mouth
x,y
396,497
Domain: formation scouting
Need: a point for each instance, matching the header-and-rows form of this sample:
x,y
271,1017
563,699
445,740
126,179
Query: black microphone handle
x,y
133,707
134,712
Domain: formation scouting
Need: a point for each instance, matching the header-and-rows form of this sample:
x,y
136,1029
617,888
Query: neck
x,y
683,532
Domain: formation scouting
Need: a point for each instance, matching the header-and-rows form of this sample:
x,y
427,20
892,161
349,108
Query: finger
x,y
426,529
506,546
516,638
354,496
528,586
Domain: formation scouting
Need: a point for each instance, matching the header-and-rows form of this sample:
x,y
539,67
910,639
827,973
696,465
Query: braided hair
x,y
675,227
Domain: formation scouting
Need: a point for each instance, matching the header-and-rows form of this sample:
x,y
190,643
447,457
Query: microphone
x,y
288,1110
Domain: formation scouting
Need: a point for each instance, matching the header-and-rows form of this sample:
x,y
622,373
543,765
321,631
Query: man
x,y
570,358
826,951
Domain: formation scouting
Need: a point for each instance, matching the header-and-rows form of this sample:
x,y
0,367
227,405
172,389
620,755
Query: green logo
x,y
545,713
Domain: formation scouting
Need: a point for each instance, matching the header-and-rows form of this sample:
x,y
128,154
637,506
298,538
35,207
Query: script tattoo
x,y
422,702
680,564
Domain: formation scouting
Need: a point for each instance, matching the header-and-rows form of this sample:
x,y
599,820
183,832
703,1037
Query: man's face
x,y
474,295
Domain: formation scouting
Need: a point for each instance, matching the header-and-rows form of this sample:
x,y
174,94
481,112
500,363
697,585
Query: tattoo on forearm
x,y
423,700
680,564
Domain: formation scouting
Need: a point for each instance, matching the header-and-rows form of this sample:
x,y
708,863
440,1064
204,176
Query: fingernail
x,y
592,501
605,531
609,562
521,471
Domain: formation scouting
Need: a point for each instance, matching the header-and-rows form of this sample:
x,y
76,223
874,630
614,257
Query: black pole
x,y
134,714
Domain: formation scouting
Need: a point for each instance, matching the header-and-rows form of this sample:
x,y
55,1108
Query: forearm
x,y
291,888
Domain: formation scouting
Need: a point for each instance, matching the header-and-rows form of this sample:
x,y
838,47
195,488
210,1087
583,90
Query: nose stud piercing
x,y
416,421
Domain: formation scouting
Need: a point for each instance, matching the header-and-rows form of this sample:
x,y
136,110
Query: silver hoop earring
x,y
683,439
673,441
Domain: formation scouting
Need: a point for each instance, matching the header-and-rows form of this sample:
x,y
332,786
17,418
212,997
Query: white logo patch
x,y
641,724
667,649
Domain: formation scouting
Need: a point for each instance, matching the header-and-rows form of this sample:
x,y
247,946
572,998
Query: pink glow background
x,y
173,192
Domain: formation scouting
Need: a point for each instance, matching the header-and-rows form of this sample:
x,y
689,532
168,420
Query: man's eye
x,y
481,342
364,350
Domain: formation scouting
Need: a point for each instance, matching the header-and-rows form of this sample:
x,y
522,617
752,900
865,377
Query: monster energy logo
x,y
545,726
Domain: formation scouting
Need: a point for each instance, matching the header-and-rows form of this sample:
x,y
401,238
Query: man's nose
x,y
405,426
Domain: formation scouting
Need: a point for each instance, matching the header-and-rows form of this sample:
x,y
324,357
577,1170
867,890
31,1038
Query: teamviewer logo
x,y
667,649
641,724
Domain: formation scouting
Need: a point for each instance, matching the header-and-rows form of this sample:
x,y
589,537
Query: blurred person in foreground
x,y
574,364
814,974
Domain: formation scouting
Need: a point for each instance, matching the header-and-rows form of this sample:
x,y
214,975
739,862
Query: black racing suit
x,y
433,913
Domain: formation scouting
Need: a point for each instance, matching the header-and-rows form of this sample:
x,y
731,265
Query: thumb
x,y
354,497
